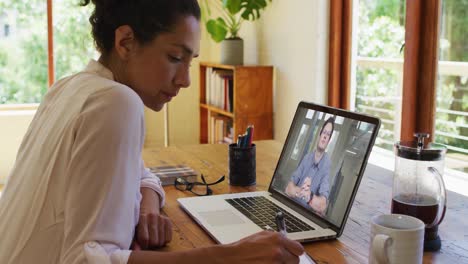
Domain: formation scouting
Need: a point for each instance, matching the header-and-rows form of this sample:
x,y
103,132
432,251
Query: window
x,y
377,82
395,73
452,84
24,47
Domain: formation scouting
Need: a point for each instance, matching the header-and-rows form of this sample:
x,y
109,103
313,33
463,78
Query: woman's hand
x,y
153,230
264,247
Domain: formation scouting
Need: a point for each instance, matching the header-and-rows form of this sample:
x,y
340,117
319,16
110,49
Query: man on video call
x,y
309,182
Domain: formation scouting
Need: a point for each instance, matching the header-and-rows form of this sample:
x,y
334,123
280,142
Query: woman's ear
x,y
125,41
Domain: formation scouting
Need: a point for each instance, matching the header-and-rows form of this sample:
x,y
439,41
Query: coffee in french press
x,y
418,186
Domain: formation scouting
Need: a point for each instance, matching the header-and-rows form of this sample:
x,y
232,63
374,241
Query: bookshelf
x,y
233,97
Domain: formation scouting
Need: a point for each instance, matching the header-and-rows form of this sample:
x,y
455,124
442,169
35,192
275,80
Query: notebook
x,y
314,184
169,173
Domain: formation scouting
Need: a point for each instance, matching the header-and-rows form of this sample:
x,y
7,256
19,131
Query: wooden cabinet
x,y
236,96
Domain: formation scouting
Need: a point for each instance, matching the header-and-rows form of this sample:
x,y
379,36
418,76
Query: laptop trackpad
x,y
221,217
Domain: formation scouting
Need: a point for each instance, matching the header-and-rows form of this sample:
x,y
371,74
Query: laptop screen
x,y
322,158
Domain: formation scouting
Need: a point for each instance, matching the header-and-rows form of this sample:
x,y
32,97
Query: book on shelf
x,y
168,173
219,88
208,84
220,128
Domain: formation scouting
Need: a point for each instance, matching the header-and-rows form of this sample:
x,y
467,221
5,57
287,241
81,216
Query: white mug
x,y
396,238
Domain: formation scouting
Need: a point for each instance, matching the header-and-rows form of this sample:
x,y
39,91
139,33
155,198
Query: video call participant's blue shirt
x,y
318,172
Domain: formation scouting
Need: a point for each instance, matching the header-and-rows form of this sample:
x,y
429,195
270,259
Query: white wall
x,y
13,126
293,37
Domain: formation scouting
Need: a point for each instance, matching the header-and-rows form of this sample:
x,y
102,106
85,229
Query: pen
x,y
280,224
251,135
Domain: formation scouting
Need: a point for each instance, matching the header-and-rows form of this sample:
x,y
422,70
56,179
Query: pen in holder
x,y
242,168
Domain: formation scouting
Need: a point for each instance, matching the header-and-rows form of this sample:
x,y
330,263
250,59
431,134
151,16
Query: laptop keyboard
x,y
262,212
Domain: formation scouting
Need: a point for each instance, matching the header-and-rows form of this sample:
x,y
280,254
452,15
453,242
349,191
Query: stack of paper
x,y
168,174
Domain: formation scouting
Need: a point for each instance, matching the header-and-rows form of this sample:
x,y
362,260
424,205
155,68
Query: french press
x,y
418,186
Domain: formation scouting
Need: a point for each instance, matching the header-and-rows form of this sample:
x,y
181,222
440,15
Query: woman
x,y
79,192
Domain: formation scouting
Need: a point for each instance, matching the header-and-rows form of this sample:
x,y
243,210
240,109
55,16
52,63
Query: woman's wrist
x,y
149,201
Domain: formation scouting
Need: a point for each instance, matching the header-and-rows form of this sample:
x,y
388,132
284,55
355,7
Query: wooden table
x,y
374,197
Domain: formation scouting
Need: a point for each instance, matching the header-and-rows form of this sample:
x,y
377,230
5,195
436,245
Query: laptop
x,y
314,184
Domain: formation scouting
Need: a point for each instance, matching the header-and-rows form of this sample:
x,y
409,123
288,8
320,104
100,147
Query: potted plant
x,y
225,28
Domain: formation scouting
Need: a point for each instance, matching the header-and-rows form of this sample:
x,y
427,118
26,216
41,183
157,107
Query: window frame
x,y
339,53
419,69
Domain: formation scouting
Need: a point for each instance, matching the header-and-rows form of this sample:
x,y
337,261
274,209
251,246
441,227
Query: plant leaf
x,y
233,6
217,29
251,8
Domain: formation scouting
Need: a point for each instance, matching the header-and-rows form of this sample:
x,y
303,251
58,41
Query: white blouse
x,y
73,195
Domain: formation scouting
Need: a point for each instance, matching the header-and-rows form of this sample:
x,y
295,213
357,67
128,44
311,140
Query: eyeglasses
x,y
198,188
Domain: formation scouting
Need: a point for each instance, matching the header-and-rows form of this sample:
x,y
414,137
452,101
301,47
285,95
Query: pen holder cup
x,y
242,169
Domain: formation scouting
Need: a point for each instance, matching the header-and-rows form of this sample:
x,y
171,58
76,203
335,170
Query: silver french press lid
x,y
415,150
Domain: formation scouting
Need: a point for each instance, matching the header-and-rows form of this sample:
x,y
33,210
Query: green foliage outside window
x,y
23,54
381,35
452,91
